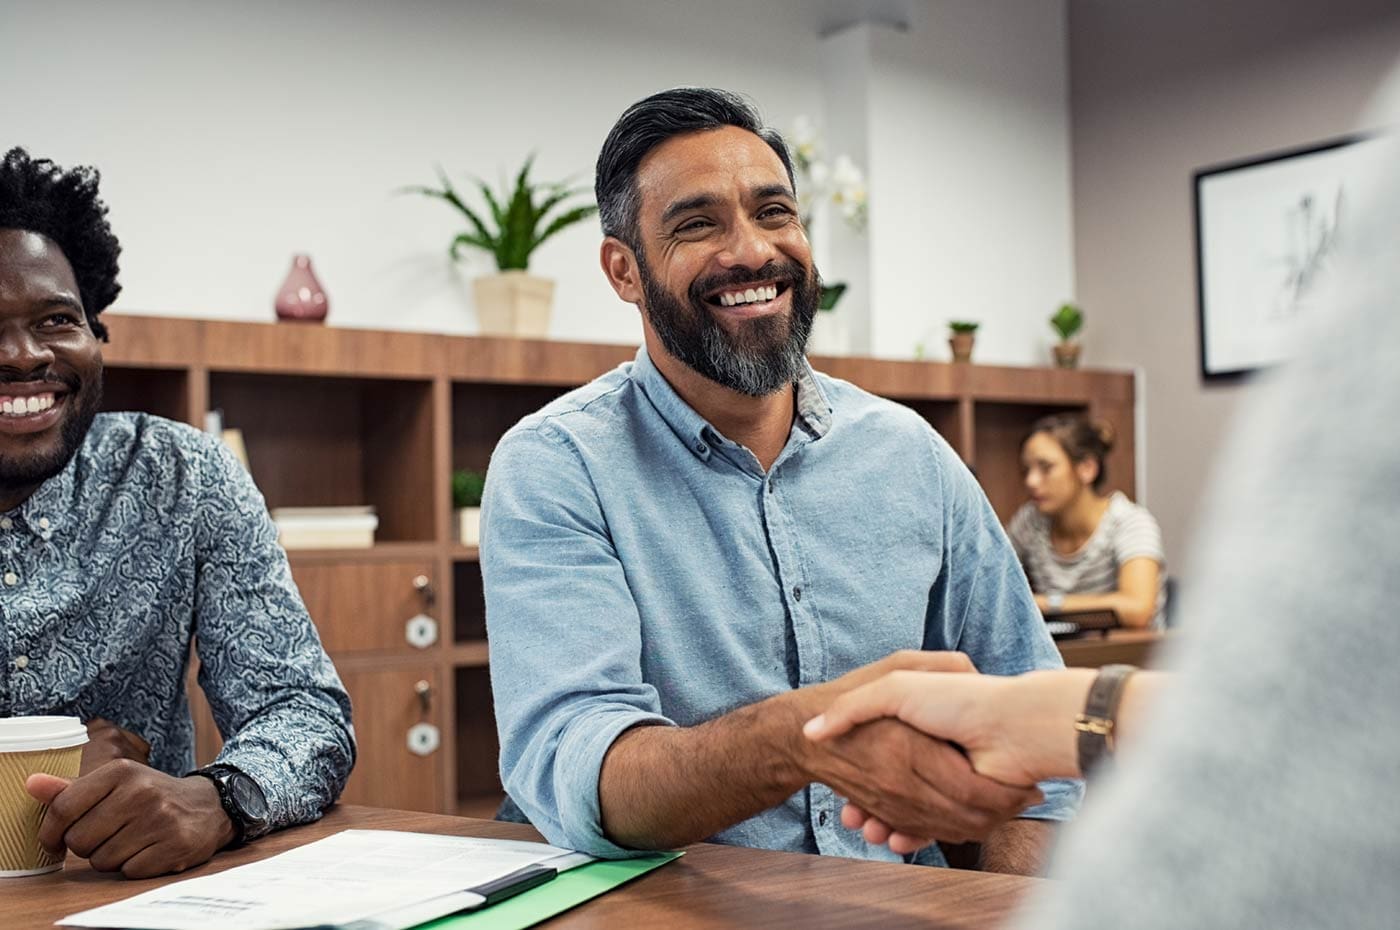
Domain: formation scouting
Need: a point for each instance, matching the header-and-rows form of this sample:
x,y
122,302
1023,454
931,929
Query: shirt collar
x,y
46,508
813,407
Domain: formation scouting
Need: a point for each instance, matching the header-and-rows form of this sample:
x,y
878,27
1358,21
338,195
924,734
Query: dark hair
x,y
650,122
1081,438
38,196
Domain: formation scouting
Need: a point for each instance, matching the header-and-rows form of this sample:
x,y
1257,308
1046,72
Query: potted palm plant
x,y
1067,321
467,486
963,335
512,302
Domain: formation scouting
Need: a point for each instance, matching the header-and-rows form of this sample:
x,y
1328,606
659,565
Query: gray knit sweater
x,y
1264,790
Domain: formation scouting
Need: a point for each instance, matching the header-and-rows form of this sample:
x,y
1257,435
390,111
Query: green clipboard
x,y
567,890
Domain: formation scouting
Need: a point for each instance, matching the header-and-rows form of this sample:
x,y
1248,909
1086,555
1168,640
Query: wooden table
x,y
1134,647
710,886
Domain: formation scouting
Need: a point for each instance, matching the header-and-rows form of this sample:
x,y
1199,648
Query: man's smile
x,y
30,408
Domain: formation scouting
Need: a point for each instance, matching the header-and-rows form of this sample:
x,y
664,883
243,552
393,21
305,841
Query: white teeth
x,y
24,406
752,295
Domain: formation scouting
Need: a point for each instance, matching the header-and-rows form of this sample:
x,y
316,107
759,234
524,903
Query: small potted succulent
x,y
467,486
512,302
1067,321
962,335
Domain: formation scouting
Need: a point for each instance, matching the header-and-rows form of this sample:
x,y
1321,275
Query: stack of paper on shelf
x,y
325,527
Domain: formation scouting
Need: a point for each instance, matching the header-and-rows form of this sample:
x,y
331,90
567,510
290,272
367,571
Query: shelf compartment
x,y
478,749
468,603
316,441
162,391
482,413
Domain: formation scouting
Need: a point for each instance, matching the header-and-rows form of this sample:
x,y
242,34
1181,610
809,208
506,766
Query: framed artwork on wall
x,y
1267,229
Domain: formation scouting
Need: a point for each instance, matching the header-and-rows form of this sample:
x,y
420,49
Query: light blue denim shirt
x,y
641,568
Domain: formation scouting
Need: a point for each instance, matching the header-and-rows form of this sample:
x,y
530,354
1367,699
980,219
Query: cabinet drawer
x,y
398,720
364,607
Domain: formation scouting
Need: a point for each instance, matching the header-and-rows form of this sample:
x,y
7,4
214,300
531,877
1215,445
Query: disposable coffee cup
x,y
28,746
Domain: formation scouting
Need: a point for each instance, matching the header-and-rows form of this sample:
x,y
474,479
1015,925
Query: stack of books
x,y
325,527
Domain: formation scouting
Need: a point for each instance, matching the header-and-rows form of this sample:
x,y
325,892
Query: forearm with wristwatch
x,y
242,799
1066,721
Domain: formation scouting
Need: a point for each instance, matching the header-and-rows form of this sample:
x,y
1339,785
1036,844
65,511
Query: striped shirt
x,y
1125,532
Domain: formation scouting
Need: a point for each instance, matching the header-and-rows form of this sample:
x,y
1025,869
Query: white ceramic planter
x,y
513,303
469,526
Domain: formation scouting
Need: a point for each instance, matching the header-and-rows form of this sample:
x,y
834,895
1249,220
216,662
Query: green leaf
x,y
496,213
563,221
467,487
1067,321
469,239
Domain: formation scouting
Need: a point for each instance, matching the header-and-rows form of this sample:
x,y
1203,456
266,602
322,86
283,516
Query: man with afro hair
x,y
126,540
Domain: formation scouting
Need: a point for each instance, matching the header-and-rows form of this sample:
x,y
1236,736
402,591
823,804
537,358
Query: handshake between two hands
x,y
925,749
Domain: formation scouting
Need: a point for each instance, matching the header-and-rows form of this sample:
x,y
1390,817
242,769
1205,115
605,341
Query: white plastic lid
x,y
32,734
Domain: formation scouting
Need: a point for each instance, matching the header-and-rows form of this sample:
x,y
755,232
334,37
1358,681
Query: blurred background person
x,y
1083,549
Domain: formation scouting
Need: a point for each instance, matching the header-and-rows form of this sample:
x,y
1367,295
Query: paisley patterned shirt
x,y
154,538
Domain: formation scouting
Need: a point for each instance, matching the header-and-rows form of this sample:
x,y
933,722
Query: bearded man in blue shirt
x,y
691,556
124,540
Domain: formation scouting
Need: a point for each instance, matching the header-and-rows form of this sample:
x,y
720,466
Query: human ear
x,y
1088,471
620,265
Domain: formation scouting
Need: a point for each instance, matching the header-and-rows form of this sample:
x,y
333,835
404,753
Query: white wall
x,y
970,215
233,135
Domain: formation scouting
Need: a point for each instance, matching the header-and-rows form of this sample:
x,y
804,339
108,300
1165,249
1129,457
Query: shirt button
x,y
797,594
701,448
43,523
821,819
21,661
11,579
6,523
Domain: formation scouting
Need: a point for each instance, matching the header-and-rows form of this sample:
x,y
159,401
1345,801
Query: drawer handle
x,y
424,586
424,690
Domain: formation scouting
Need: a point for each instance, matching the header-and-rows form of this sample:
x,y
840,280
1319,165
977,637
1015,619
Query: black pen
x,y
508,886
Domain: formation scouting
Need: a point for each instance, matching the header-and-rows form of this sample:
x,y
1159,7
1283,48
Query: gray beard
x,y
765,356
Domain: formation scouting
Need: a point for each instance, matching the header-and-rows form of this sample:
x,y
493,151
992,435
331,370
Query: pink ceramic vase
x,y
300,297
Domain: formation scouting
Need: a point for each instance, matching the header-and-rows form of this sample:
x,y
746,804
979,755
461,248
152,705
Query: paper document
x,y
371,879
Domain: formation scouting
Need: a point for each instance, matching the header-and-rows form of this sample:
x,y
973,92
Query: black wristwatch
x,y
242,800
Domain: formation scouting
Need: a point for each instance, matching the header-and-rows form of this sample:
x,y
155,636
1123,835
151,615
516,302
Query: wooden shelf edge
x,y
461,553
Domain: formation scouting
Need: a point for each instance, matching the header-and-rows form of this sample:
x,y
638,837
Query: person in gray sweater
x,y
1255,787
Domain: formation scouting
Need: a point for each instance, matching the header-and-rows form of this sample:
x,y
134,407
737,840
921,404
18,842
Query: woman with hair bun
x,y
1082,549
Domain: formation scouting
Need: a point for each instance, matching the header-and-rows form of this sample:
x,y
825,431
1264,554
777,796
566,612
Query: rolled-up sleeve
x,y
565,636
981,604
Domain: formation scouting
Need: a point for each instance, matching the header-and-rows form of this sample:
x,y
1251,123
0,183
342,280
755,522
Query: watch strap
x,y
222,774
1097,723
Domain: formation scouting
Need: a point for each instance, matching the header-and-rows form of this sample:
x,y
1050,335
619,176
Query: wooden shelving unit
x,y
345,416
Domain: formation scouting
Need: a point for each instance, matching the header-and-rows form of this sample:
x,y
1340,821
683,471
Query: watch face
x,y
248,796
